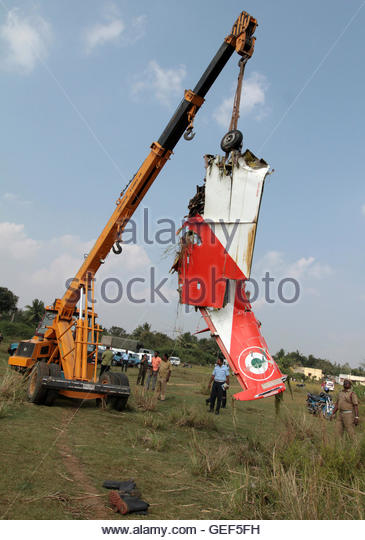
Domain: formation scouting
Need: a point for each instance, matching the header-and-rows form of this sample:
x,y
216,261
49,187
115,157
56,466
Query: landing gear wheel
x,y
232,141
54,371
120,379
36,392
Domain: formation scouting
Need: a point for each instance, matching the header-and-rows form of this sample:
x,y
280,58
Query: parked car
x,y
175,360
117,358
330,385
134,359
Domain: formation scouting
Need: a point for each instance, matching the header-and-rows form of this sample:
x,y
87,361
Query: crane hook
x,y
189,134
117,248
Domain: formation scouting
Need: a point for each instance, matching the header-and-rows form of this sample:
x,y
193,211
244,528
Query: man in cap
x,y
348,406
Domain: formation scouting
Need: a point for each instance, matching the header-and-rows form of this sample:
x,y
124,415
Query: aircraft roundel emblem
x,y
255,364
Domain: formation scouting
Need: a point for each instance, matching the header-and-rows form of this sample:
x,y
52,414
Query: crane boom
x,y
240,39
64,350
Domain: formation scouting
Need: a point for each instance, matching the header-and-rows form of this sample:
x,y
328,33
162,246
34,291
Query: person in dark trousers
x,y
224,396
143,366
125,361
218,379
106,360
153,372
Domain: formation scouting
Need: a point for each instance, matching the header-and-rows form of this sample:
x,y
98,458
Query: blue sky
x,y
87,86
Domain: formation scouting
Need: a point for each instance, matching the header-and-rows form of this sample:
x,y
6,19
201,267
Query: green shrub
x,y
15,329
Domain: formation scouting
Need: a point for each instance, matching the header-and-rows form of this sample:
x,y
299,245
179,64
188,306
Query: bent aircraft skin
x,y
214,262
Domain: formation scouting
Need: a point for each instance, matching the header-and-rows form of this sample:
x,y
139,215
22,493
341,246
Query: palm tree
x,y
35,311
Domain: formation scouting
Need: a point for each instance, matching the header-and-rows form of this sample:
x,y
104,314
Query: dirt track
x,y
93,501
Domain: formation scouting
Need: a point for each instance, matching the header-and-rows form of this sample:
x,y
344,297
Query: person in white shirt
x,y
220,377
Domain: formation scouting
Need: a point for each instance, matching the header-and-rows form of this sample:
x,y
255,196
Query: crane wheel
x,y
36,392
54,371
117,403
232,141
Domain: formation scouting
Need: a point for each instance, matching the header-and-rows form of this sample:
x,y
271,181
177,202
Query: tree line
x,y
287,361
21,323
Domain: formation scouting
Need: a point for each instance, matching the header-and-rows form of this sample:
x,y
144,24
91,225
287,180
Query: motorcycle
x,y
320,405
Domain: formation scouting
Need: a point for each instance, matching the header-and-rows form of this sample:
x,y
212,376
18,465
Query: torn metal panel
x,y
215,260
232,202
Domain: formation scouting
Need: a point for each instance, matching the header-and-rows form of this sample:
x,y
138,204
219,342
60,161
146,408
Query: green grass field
x,y
246,463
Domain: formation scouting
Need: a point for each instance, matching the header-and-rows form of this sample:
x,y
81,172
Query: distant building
x,y
353,378
314,373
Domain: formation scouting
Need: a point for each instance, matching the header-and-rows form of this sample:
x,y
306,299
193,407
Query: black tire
x,y
120,403
54,371
106,377
36,392
120,379
232,141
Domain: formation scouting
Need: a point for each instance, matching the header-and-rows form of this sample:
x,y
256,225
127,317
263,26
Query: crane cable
x,y
237,96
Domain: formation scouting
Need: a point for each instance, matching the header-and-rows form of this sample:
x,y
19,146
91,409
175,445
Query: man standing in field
x,y
163,377
106,360
219,378
152,376
224,395
125,361
142,369
348,406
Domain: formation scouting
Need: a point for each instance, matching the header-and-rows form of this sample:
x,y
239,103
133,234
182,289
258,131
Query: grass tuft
x,y
143,399
193,417
153,421
150,440
207,460
12,391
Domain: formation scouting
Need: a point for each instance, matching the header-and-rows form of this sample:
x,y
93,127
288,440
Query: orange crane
x,y
63,353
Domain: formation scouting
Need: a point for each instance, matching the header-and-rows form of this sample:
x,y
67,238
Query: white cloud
x,y
363,209
304,270
26,40
15,245
114,30
308,267
278,266
164,83
14,198
138,28
34,269
100,34
252,100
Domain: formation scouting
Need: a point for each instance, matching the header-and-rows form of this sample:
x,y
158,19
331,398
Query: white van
x,y
146,351
330,385
175,360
